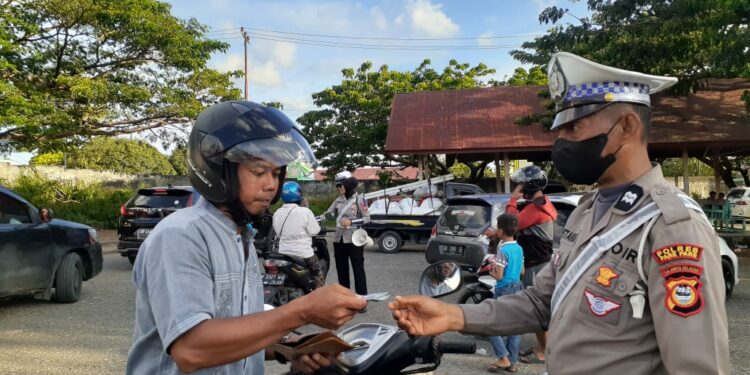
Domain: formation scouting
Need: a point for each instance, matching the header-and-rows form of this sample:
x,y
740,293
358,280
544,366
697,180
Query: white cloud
x,y
267,59
485,42
265,74
378,18
283,53
428,19
399,21
230,62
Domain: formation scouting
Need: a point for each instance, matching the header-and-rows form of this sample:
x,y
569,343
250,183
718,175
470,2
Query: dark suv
x,y
140,214
39,253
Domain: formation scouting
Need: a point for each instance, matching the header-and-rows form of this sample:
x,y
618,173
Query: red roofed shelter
x,y
481,124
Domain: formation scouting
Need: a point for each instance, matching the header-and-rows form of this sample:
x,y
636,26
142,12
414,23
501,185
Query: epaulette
x,y
673,208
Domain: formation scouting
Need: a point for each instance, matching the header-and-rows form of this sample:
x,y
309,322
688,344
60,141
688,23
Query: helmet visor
x,y
283,149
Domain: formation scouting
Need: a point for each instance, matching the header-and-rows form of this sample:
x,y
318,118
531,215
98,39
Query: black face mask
x,y
580,162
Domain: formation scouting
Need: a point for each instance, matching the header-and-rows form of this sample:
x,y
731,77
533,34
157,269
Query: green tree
x,y
74,69
120,155
350,128
472,172
673,167
277,105
178,160
688,39
48,158
536,76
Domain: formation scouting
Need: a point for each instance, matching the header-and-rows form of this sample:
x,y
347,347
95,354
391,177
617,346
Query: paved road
x,y
93,335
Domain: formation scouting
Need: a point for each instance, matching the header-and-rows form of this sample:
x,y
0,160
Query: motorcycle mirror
x,y
440,279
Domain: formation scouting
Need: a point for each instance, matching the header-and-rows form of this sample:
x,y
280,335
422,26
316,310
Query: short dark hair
x,y
644,112
508,223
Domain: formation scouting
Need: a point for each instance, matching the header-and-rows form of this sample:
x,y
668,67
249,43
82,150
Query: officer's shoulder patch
x,y
677,251
683,296
681,269
629,198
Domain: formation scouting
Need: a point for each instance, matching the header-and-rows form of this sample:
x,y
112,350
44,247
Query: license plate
x,y
142,233
455,250
274,279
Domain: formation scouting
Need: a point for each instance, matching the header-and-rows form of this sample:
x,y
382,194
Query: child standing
x,y
508,275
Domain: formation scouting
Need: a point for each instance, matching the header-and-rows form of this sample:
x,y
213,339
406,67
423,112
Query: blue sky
x,y
291,72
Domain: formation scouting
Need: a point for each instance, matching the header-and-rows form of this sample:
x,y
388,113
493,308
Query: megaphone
x,y
361,238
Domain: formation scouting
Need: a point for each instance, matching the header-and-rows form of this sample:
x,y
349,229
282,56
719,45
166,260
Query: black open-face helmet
x,y
532,177
229,133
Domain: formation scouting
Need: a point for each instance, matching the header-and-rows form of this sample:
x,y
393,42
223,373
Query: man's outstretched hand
x,y
424,316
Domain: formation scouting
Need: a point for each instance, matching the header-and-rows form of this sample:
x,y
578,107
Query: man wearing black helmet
x,y
535,234
199,294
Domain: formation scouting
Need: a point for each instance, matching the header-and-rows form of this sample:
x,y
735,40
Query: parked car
x,y
39,253
456,236
140,214
739,198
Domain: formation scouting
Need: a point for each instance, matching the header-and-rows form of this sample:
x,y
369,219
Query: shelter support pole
x,y
497,173
685,172
506,171
420,167
717,175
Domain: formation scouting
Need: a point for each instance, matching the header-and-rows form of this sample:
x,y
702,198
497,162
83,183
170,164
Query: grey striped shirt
x,y
191,269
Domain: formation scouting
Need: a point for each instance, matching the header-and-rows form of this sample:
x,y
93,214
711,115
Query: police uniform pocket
x,y
607,309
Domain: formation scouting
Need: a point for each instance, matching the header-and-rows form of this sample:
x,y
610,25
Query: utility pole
x,y
245,41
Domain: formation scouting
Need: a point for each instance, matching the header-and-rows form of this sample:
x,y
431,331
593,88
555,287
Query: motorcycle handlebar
x,y
457,347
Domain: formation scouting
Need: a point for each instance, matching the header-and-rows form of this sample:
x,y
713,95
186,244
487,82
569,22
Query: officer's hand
x,y
308,364
424,316
330,306
517,192
346,223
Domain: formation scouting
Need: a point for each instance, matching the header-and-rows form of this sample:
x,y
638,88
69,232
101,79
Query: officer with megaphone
x,y
349,240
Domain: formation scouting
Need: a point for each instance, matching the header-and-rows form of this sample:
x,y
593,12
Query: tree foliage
x,y
48,158
472,172
120,155
689,39
178,160
349,129
536,76
74,69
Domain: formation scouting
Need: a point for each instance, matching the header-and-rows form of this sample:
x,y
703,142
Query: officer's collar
x,y
633,197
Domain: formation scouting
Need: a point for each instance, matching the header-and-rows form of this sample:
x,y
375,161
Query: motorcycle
x,y
286,277
484,286
385,349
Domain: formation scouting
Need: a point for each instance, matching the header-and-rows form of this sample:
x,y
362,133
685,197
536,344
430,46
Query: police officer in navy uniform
x,y
637,285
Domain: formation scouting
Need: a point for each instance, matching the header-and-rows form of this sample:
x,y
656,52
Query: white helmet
x,y
341,176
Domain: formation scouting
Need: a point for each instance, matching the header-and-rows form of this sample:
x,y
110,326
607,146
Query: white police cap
x,y
343,176
581,87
